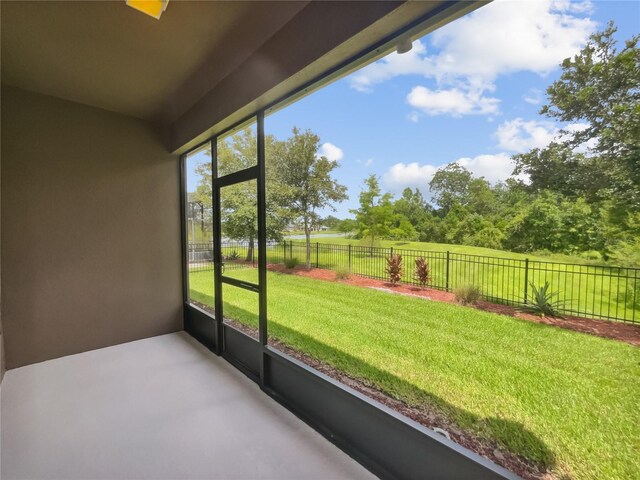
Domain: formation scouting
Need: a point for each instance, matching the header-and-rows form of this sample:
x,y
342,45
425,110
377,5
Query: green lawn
x,y
443,247
566,400
314,233
586,290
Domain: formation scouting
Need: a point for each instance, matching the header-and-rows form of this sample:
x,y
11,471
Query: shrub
x,y
467,294
630,296
291,262
342,273
234,255
626,253
394,268
592,255
543,302
422,273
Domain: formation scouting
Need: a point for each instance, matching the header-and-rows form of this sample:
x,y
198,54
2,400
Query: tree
x,y
330,222
450,186
560,169
402,229
375,215
557,224
347,226
481,198
597,90
239,202
307,182
414,208
538,226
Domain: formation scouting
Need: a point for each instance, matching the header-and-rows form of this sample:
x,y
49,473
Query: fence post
x,y
635,299
284,251
290,248
317,256
526,279
391,251
349,258
447,278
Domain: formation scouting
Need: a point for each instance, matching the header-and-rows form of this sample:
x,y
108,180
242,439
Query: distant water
x,y
314,235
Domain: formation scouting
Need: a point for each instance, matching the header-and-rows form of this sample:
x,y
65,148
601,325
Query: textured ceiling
x,y
108,55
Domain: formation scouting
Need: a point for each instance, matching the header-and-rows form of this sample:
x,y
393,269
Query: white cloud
x,y
414,116
533,96
520,136
332,152
454,102
366,163
499,38
585,147
576,127
412,175
494,168
585,6
509,36
394,64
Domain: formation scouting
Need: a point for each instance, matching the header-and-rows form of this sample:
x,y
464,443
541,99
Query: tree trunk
x,y
307,234
250,251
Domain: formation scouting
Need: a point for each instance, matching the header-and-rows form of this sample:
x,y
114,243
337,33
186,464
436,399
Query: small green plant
x,y
543,301
467,294
630,296
422,273
291,262
234,255
342,273
394,268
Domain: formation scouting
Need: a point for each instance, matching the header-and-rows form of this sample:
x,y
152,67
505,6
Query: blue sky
x,y
469,92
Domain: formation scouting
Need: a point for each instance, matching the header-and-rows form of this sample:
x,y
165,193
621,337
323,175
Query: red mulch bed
x,y
623,332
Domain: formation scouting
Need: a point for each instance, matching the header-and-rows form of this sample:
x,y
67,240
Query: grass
x,y
585,290
313,233
562,399
466,249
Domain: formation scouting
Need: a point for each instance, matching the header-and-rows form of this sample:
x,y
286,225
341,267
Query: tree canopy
x,y
579,195
305,181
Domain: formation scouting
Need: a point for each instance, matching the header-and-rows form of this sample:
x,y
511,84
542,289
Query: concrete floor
x,y
160,408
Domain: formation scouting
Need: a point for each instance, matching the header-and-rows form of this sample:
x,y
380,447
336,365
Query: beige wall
x,y
90,229
1,336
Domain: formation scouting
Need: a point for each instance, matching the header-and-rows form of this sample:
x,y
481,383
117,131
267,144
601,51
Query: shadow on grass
x,y
511,435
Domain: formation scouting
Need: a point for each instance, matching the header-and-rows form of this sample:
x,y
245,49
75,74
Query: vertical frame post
x,y
217,248
447,279
526,279
183,229
262,246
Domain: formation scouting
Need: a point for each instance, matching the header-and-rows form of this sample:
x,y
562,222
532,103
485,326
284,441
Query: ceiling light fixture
x,y
404,46
153,8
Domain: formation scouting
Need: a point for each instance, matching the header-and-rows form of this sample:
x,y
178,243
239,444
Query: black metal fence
x,y
593,291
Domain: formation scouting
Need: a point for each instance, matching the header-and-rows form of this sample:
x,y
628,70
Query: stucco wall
x,y
90,229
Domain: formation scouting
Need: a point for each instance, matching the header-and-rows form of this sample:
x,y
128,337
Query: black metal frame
x,y
384,441
232,344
